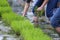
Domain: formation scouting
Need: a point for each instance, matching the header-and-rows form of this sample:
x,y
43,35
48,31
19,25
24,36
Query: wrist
x,y
42,6
24,14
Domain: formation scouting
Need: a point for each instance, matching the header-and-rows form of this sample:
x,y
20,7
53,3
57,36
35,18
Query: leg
x,y
55,20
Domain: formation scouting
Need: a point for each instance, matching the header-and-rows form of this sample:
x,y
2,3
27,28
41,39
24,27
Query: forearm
x,y
44,3
26,8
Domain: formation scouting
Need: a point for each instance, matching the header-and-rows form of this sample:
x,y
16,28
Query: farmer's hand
x,y
23,14
39,8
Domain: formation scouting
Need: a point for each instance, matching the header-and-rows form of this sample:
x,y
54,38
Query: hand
x,y
39,9
23,14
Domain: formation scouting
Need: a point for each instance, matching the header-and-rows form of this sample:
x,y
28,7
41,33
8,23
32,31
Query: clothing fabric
x,y
55,19
50,7
54,14
28,1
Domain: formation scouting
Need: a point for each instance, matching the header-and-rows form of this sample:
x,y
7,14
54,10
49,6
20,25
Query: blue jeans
x,y
38,4
55,19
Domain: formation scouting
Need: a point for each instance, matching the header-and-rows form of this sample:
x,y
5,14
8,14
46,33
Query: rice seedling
x,y
28,32
3,3
25,24
9,17
35,34
5,9
38,13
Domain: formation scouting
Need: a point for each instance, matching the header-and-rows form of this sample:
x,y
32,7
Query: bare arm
x,y
42,6
44,3
27,4
26,8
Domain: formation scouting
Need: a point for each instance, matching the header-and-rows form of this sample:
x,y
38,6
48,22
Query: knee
x,y
57,29
55,24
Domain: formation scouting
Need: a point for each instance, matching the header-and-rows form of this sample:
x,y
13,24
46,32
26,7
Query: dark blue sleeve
x,y
50,6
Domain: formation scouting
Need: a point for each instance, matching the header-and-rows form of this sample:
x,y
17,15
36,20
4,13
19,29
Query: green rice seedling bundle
x,y
15,26
9,17
34,34
5,9
38,13
28,32
22,25
4,0
19,17
3,3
